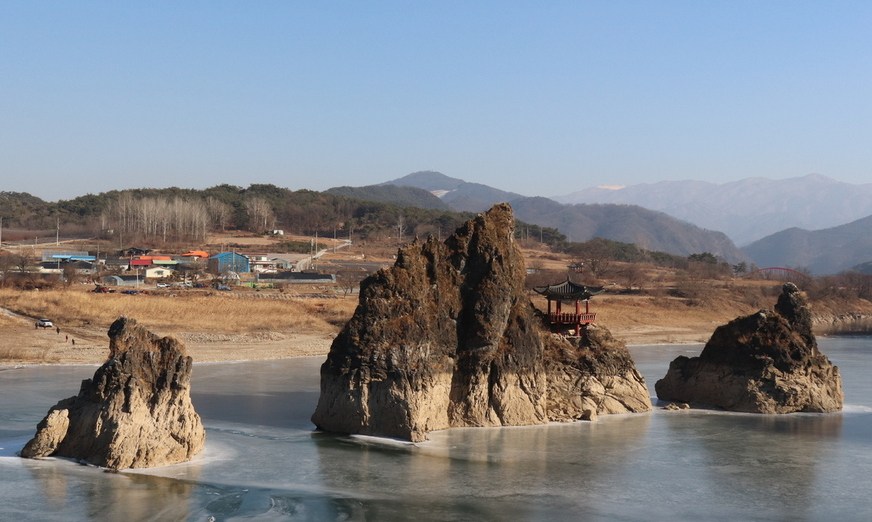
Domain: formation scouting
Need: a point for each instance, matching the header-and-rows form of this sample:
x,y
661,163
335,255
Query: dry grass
x,y
6,321
26,355
186,311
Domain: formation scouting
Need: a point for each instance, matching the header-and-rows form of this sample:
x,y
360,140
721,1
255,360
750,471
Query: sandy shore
x,y
21,343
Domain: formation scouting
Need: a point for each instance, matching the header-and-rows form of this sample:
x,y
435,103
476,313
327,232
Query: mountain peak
x,y
428,180
457,193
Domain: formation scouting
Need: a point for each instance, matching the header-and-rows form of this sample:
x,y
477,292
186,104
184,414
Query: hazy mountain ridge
x,y
458,194
648,229
645,228
393,194
748,209
826,251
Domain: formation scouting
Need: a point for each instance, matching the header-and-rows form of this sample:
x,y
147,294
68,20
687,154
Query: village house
x,y
117,264
148,261
58,267
195,255
158,272
272,263
229,262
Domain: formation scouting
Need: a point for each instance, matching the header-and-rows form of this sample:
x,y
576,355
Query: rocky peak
x,y
793,306
764,362
135,412
446,337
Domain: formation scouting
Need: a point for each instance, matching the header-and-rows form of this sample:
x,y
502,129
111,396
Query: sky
x,y
538,98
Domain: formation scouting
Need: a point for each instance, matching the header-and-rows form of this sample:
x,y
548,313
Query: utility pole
x,y
58,233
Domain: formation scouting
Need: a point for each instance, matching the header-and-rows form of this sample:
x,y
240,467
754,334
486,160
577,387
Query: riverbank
x,y
224,328
22,343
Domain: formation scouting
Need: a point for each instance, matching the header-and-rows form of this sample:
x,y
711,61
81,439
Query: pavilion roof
x,y
567,291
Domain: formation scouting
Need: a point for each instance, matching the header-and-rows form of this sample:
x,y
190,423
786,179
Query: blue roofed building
x,y
229,262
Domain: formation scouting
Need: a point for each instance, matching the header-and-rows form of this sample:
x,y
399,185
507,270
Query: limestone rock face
x,y
135,412
445,338
594,374
767,362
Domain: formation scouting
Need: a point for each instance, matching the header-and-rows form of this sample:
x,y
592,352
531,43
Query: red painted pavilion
x,y
568,292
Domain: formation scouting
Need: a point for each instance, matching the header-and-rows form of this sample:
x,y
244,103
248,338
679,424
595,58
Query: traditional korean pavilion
x,y
567,292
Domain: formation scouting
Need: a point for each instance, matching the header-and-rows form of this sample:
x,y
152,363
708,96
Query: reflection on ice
x,y
264,461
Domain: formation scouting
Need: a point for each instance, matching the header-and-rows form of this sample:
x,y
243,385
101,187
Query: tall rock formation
x,y
766,362
135,412
445,338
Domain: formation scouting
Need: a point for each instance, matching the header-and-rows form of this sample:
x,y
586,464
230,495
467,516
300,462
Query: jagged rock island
x,y
135,412
766,362
447,337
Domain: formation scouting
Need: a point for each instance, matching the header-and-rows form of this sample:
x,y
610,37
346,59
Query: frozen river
x,y
263,461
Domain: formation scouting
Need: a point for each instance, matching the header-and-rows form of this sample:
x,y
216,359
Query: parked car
x,y
163,285
44,323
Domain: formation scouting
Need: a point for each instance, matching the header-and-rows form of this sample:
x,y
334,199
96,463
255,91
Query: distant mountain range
x,y
745,210
827,251
810,222
648,229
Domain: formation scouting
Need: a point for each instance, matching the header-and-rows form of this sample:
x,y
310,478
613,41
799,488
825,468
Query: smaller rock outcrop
x,y
592,375
135,412
766,362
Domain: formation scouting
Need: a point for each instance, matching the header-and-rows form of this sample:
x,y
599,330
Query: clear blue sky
x,y
539,98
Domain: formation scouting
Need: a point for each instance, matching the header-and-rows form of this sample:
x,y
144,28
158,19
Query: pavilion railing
x,y
571,318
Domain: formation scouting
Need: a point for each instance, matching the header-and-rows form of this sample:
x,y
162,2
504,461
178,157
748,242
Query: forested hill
x,y
185,214
394,195
17,208
157,216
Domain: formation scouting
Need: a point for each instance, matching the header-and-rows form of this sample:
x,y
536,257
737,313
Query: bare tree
x,y
401,227
7,263
23,261
71,275
178,218
219,212
633,276
260,213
